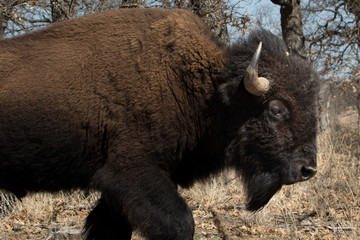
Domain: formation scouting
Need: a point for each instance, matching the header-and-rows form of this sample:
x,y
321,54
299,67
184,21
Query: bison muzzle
x,y
134,102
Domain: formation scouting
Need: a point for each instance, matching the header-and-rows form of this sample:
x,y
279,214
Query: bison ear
x,y
254,84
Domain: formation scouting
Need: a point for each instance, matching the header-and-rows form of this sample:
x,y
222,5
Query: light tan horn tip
x,y
254,84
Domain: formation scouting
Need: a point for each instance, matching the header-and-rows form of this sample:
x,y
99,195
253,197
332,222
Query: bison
x,y
135,102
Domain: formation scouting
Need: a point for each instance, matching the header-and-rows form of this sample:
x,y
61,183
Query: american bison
x,y
134,102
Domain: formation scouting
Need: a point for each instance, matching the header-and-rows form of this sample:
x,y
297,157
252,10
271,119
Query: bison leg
x,y
148,199
104,223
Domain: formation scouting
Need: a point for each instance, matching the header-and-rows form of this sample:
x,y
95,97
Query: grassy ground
x,y
326,207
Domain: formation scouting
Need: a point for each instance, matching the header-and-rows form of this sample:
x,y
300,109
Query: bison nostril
x,y
307,172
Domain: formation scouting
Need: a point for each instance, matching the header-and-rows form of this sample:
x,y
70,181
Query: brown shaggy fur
x,y
92,90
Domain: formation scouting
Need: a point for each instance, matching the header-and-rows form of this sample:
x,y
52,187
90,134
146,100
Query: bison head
x,y
271,97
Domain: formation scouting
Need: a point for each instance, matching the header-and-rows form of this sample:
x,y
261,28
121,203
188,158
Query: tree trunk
x,y
62,9
132,3
291,25
3,18
212,12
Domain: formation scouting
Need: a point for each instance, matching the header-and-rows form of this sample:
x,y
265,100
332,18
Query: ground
x,y
326,207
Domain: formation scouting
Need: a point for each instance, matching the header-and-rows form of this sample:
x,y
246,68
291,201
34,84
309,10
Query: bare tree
x,y
333,34
26,15
291,25
6,13
62,9
218,14
267,19
19,16
212,11
353,6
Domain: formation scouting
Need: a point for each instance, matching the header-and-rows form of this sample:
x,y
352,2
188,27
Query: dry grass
x,y
326,207
43,215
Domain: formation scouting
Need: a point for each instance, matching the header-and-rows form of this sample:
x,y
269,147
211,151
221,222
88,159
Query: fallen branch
x,y
77,207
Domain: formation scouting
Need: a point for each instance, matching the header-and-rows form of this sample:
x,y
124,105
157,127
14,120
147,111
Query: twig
x,y
77,207
345,228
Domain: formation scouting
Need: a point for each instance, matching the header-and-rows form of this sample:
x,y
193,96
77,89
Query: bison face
x,y
269,152
297,154
274,142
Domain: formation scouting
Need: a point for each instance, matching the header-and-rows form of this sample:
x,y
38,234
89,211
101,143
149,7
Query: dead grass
x,y
326,207
43,215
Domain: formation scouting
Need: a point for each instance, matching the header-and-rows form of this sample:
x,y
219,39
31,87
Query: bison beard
x,y
260,187
260,184
145,102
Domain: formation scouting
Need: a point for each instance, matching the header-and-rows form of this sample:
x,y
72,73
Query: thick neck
x,y
208,157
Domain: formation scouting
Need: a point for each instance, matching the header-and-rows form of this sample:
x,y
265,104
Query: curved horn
x,y
254,84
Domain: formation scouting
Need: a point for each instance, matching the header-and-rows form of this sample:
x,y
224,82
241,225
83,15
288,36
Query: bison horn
x,y
254,84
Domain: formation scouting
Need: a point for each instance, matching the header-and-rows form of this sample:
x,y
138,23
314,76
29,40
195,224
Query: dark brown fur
x,y
133,102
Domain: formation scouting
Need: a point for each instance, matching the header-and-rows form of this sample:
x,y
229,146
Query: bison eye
x,y
278,110
275,111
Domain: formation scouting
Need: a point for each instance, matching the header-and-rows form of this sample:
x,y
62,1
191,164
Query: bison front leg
x,y
147,198
104,223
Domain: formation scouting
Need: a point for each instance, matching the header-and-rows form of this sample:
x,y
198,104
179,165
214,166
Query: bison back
x,y
123,85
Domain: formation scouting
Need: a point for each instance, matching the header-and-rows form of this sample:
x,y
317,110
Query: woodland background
x,y
326,32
